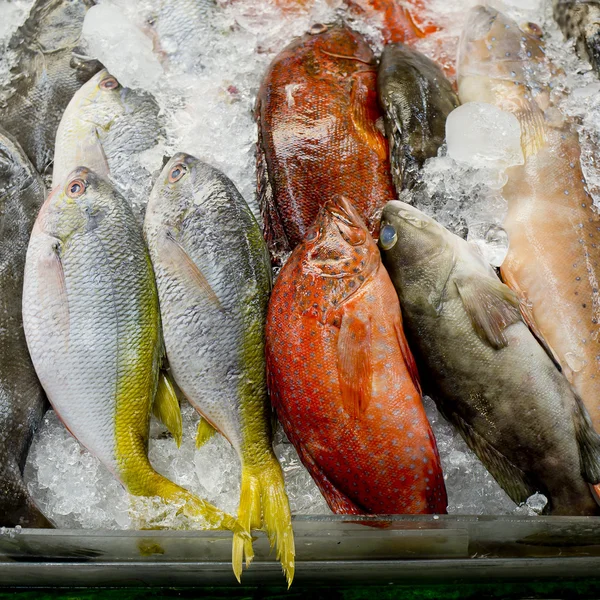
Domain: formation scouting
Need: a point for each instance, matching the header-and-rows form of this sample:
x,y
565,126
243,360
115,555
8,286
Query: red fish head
x,y
339,245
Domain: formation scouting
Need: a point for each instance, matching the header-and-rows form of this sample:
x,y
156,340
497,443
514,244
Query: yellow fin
x,y
204,433
264,505
166,407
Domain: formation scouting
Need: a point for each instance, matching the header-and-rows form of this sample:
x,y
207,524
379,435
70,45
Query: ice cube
x,y
482,135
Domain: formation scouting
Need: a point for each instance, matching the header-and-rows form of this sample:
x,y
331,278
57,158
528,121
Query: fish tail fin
x,y
264,505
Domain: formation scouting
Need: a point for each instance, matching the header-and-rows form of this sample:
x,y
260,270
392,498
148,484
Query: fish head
x,y
500,62
416,250
338,245
77,205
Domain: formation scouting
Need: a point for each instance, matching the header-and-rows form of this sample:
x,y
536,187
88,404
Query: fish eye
x,y
388,237
177,172
75,188
109,83
533,29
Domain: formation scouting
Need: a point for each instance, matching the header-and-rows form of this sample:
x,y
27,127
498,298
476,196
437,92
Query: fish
x,y
416,98
486,371
342,377
49,67
580,20
553,260
320,134
92,324
106,127
214,278
22,399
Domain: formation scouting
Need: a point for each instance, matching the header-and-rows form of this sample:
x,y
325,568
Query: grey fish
x,y
488,374
48,70
22,400
580,19
416,98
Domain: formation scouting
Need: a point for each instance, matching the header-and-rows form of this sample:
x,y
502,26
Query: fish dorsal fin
x,y
204,432
491,306
186,269
355,368
527,315
588,441
166,407
409,359
512,479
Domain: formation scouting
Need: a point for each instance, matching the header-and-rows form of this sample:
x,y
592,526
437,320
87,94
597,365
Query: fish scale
x,y
341,375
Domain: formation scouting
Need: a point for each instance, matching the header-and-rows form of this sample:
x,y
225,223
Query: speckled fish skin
x,y
553,261
416,98
91,317
47,72
103,127
342,378
486,371
214,278
22,400
317,116
580,19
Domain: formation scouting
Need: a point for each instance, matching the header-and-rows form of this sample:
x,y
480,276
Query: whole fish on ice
x,y
214,277
342,378
22,400
486,371
319,134
49,68
553,260
91,317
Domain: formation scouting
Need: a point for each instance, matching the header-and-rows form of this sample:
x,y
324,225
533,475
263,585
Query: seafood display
x,y
297,259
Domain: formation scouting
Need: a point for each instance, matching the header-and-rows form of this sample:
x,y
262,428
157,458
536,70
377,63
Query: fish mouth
x,y
344,216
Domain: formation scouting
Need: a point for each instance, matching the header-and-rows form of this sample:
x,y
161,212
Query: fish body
x,y
553,260
106,127
48,70
318,118
342,377
22,400
91,317
214,278
416,98
580,19
486,371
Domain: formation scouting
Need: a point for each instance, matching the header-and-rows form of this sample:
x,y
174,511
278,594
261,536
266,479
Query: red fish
x,y
317,114
342,378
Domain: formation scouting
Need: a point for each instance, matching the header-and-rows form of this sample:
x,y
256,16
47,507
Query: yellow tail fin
x,y
264,505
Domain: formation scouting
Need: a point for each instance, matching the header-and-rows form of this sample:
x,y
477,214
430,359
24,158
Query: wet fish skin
x,y
553,260
214,278
49,69
581,20
104,127
22,400
92,323
342,378
317,115
486,371
416,98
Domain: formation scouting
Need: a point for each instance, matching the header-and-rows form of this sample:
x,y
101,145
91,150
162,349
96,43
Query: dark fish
x,y
580,19
488,374
22,401
48,70
416,98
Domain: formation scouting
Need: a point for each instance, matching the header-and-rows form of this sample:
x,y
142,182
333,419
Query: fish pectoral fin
x,y
363,121
409,359
355,367
533,129
182,264
527,315
52,274
588,441
491,306
166,407
204,432
512,479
